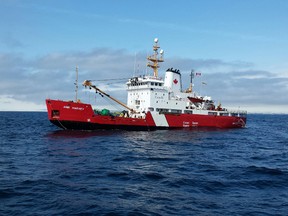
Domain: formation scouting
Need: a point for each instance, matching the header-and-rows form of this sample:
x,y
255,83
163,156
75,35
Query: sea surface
x,y
48,171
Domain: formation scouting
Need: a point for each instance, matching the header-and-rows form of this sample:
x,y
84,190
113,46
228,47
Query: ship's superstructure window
x,y
134,83
224,114
188,111
156,84
175,111
162,110
212,113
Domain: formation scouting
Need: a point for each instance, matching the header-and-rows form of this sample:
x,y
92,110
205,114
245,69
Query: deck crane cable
x,y
110,79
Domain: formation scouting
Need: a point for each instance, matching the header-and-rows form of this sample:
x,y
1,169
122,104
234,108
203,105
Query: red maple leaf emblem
x,y
175,81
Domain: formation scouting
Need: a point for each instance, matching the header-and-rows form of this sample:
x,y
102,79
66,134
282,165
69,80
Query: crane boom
x,y
88,83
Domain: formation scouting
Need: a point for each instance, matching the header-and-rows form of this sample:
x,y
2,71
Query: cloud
x,y
53,75
186,64
26,83
250,88
8,103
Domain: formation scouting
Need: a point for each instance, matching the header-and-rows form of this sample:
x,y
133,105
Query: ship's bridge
x,y
144,82
142,92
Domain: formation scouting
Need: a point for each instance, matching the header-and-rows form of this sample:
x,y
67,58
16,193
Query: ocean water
x,y
47,171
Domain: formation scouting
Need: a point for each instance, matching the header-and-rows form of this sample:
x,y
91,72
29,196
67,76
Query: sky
x,y
239,47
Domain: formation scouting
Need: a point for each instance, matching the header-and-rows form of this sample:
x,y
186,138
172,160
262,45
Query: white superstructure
x,y
152,93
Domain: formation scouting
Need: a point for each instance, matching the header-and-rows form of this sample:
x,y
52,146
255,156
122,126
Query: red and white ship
x,y
152,103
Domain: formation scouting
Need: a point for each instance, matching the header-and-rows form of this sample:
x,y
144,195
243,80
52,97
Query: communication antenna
x,y
135,61
76,85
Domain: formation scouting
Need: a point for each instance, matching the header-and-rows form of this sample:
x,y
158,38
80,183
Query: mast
x,y
155,59
88,83
190,89
76,85
191,80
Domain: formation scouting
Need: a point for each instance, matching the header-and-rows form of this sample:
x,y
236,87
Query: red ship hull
x,y
80,116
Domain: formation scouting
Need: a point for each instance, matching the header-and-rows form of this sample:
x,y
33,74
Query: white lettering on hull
x,y
74,108
186,124
194,124
78,108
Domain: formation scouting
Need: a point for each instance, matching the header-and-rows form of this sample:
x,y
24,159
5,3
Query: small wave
x,y
162,159
213,186
9,193
265,170
153,176
179,182
129,195
263,184
119,175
